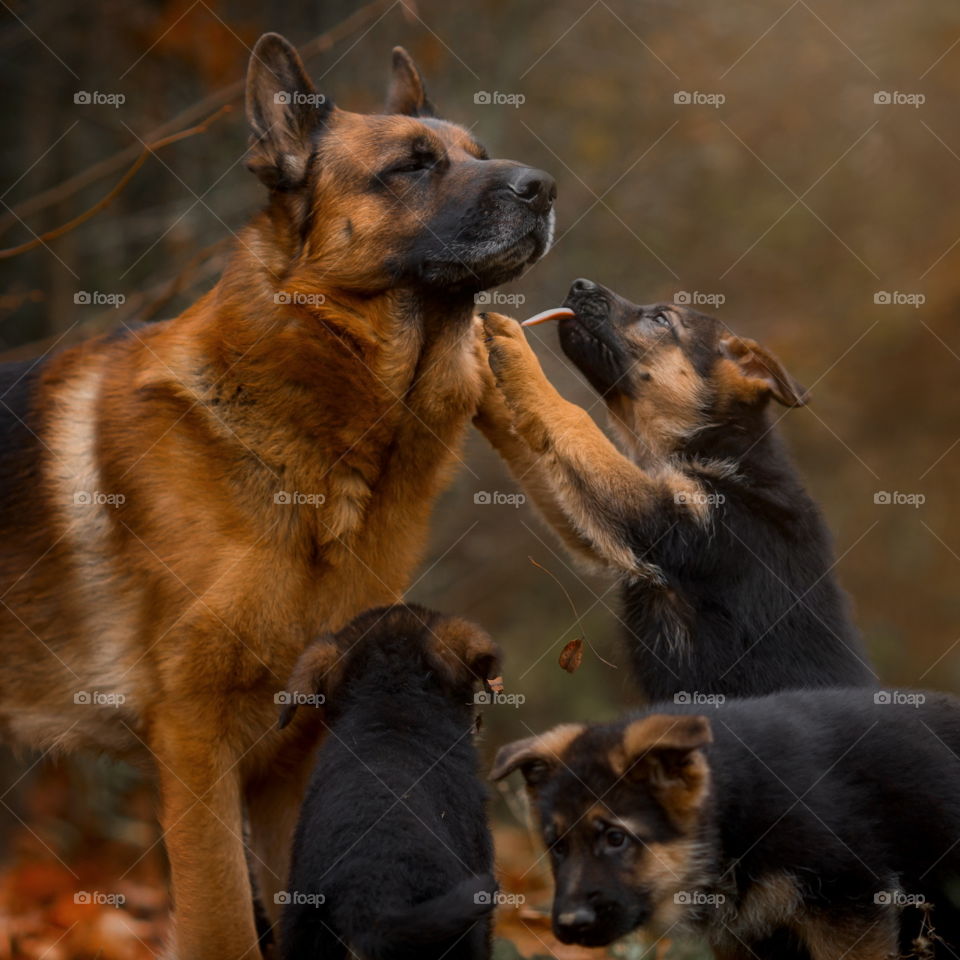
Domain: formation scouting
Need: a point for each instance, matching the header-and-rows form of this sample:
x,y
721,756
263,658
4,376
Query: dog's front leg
x,y
600,491
202,821
530,470
273,806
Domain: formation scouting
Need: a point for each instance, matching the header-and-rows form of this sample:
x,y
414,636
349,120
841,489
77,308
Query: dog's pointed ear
x,y
314,677
466,653
536,757
665,752
525,756
407,93
285,114
761,373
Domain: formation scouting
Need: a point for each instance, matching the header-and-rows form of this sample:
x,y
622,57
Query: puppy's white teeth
x,y
555,313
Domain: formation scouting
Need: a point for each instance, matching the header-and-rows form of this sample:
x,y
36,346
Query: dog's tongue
x,y
554,313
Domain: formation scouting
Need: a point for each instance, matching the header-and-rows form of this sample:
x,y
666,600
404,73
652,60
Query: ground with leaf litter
x,y
71,891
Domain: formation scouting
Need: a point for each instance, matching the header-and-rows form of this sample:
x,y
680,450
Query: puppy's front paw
x,y
514,364
508,352
520,379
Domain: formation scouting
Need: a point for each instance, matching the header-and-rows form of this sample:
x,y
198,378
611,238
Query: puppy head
x,y
405,645
667,371
619,808
463,654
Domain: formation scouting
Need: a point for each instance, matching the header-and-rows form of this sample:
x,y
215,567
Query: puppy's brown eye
x,y
535,772
615,839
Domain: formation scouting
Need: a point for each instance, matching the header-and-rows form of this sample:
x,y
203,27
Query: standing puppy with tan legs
x,y
725,561
186,505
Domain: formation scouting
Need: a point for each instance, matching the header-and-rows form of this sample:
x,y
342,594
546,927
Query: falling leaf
x,y
496,684
571,656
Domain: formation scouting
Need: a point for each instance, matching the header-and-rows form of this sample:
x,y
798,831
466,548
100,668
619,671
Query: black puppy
x,y
832,816
726,562
393,857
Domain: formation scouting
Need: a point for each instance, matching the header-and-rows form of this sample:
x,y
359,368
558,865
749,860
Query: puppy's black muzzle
x,y
596,922
590,302
573,926
591,338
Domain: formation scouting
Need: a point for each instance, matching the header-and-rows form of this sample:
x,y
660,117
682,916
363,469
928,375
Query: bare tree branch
x,y
225,95
117,190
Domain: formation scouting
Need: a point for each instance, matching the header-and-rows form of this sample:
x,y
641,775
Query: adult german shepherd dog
x,y
184,506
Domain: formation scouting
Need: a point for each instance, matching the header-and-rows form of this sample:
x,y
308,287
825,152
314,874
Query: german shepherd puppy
x,y
393,857
726,561
829,815
184,506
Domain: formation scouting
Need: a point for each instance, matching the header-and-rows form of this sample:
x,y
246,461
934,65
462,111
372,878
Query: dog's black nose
x,y
535,187
576,921
582,285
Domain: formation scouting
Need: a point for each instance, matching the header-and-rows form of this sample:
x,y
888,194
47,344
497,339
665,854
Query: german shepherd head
x,y
674,380
375,202
621,809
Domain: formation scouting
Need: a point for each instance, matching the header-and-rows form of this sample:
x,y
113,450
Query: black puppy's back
x,y
392,856
749,604
861,788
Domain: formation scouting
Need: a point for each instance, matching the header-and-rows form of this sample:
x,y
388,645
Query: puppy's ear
x,y
536,757
522,755
665,752
465,652
285,114
313,680
761,373
407,93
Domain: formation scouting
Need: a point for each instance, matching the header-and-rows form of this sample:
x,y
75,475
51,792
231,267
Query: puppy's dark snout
x,y
576,920
535,187
589,300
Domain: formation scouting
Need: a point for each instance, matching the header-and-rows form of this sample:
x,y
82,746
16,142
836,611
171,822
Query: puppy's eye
x,y
615,839
559,848
535,772
661,319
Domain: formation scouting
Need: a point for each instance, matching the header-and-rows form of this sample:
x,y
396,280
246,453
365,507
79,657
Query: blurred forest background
x,y
797,163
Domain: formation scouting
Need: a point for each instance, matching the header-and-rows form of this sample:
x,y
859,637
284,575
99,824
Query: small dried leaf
x,y
496,684
571,656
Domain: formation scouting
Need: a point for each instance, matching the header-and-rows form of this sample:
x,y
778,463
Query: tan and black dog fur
x,y
393,833
726,562
816,822
186,504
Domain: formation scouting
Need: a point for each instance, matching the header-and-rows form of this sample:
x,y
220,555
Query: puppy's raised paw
x,y
520,379
505,343
511,359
